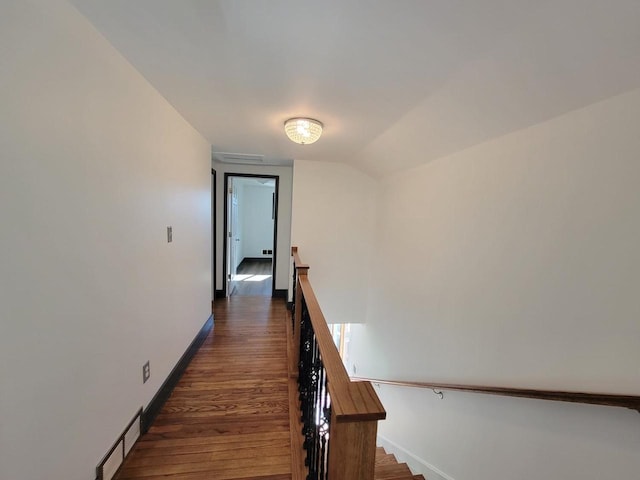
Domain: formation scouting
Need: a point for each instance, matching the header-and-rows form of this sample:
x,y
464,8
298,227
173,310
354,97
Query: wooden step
x,y
386,459
388,468
393,471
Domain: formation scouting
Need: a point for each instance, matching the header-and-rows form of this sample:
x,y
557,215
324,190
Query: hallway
x,y
228,417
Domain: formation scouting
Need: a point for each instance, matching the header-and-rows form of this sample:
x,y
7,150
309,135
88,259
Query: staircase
x,y
388,468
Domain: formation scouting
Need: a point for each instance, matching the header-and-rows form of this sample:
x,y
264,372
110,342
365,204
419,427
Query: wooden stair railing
x,y
339,416
611,400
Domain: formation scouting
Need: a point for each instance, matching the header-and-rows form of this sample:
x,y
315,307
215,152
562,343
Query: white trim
x,y
415,463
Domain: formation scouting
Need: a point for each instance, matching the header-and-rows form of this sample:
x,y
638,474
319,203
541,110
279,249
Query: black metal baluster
x,y
293,298
315,402
317,410
324,433
306,379
319,415
312,451
305,349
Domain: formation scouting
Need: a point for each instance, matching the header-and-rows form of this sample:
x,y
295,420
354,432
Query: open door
x,y
214,236
233,237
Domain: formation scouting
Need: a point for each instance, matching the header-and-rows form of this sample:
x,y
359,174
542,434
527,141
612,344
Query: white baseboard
x,y
416,464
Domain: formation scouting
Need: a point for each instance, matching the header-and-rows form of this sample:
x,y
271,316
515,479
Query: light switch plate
x,y
146,372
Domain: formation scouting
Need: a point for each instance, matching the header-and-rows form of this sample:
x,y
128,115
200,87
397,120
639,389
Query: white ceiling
x,y
397,83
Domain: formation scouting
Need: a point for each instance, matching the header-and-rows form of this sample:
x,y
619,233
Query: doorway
x,y
250,234
214,235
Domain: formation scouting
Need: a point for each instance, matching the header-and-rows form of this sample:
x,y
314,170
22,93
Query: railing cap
x,y
355,402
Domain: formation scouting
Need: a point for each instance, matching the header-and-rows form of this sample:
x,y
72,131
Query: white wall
x,y
471,436
334,208
514,263
95,164
257,220
285,176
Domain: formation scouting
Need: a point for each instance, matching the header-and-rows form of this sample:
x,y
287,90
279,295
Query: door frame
x,y
232,237
214,233
274,258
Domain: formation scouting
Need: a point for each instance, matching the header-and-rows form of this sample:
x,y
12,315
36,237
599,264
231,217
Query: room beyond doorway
x,y
250,234
253,278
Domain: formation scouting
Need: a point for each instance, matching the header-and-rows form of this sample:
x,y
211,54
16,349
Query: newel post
x,y
354,426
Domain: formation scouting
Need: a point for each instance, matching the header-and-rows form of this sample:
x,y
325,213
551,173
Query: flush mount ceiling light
x,y
303,130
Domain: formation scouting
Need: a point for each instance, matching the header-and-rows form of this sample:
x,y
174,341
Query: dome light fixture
x,y
303,130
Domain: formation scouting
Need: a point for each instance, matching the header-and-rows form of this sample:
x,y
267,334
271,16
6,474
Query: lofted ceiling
x,y
397,83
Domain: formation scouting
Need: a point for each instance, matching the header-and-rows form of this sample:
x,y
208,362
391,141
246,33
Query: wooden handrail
x,y
624,401
349,401
348,416
330,357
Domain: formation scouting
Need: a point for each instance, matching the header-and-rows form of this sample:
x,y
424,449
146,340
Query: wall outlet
x,y
146,372
169,234
269,252
264,252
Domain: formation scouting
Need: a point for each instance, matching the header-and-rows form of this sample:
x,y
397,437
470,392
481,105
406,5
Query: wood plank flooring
x,y
228,417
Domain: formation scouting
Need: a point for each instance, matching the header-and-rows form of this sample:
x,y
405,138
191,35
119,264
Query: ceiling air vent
x,y
226,157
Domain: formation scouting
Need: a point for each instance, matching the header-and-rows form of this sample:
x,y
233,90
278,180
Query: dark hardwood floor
x,y
253,278
228,417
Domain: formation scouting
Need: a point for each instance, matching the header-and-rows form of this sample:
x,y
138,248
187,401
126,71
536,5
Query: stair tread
x,y
392,471
388,468
408,476
385,459
403,477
